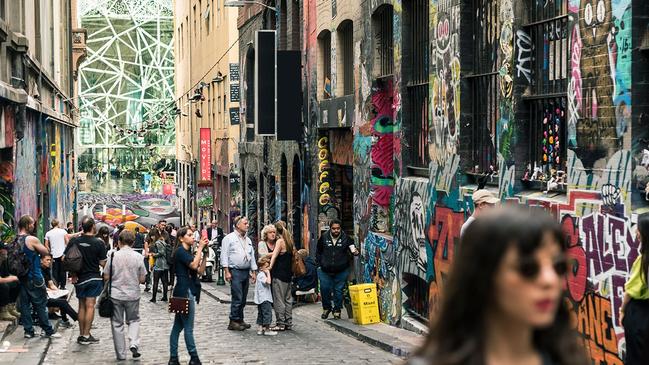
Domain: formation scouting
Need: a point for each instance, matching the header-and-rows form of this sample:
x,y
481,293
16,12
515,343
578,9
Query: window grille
x,y
383,34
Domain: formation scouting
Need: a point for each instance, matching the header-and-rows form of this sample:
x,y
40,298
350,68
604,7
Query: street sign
x,y
234,72
235,118
235,93
206,154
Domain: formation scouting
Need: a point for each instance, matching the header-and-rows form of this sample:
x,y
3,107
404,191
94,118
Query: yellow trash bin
x,y
364,303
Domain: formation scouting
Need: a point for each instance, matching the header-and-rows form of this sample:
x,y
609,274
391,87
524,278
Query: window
x,y
324,46
383,49
2,9
542,62
485,86
295,26
415,60
283,24
346,55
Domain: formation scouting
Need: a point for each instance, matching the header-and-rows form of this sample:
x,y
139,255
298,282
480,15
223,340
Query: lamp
x,y
240,3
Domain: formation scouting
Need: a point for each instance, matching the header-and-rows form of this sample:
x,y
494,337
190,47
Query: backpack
x,y
169,253
73,259
17,260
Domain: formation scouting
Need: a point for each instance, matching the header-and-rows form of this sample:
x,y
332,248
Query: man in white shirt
x,y
128,272
55,241
483,200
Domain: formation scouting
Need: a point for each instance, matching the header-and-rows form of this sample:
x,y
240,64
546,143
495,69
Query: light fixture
x,y
240,3
218,78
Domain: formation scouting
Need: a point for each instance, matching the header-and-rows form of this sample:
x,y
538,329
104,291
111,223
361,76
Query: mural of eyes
x,y
601,11
588,14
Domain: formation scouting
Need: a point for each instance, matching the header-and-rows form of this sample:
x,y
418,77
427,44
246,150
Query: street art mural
x,y
506,127
132,210
27,175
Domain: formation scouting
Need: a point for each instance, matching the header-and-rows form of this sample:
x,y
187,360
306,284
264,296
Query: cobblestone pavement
x,y
311,341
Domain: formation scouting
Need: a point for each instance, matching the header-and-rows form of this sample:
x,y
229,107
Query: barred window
x,y
542,61
383,49
416,66
324,63
485,85
346,54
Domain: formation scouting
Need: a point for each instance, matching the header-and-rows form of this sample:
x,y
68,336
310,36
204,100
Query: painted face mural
x,y
418,250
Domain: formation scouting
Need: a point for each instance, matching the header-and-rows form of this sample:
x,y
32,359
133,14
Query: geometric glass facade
x,y
126,91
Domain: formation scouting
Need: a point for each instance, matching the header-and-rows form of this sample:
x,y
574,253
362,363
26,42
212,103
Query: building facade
x,y
40,50
207,116
272,184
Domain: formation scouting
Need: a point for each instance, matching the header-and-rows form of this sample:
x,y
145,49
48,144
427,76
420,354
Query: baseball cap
x,y
484,196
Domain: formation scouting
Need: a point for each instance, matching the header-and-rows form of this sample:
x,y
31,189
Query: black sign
x,y
234,72
235,118
265,83
289,101
235,92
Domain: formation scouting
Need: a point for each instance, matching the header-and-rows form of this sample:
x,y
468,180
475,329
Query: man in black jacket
x,y
333,255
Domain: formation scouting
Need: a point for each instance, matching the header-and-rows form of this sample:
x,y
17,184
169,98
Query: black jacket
x,y
334,258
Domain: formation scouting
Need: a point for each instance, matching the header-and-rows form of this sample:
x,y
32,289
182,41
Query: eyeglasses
x,y
529,268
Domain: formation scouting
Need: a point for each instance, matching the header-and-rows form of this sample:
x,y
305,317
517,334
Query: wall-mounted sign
x,y
234,72
206,155
235,93
235,118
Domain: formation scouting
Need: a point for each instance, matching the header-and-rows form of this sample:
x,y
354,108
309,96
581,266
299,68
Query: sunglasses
x,y
529,268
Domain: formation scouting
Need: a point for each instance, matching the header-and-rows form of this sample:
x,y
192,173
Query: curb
x,y
224,298
401,350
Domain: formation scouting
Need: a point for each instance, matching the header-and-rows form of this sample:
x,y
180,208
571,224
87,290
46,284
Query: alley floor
x,y
311,342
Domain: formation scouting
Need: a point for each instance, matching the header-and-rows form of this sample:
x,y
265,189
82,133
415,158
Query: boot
x,y
235,326
5,315
194,360
174,361
12,309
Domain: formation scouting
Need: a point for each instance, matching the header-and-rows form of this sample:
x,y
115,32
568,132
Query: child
x,y
264,297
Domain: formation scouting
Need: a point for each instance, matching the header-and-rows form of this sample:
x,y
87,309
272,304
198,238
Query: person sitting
x,y
51,286
307,283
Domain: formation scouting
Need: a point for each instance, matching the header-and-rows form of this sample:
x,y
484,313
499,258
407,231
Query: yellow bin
x,y
364,303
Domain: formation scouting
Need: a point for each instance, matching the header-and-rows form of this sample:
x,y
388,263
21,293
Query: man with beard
x,y
32,286
333,257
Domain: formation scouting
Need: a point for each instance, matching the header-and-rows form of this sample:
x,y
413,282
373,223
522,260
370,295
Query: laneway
x,y
312,342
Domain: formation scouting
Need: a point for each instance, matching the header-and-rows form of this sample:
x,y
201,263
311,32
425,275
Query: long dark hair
x,y
104,235
643,228
155,235
457,336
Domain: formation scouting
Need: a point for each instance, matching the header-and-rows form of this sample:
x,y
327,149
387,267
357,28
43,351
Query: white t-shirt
x,y
56,236
466,225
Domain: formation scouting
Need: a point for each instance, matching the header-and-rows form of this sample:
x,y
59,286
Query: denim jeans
x,y
332,284
239,291
58,273
33,293
184,322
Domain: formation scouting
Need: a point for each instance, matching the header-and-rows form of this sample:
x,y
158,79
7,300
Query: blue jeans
x,y
239,292
332,284
33,294
184,322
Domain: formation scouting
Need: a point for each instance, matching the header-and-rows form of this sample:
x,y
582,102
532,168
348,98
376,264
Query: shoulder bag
x,y
106,304
298,267
178,305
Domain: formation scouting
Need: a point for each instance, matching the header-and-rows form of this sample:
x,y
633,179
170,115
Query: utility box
x,y
365,305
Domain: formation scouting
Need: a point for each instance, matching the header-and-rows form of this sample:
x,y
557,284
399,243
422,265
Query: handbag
x,y
297,266
179,305
105,303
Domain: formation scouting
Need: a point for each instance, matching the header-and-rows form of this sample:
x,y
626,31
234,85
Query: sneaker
x,y
336,314
135,352
29,335
82,340
325,313
260,332
65,324
270,333
51,335
92,339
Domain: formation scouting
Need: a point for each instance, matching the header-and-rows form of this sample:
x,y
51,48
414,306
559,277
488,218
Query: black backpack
x,y
73,259
17,260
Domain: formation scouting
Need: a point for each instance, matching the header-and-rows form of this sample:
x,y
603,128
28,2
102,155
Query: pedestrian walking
x,y
160,268
238,262
104,235
215,233
55,240
483,201
88,282
264,297
188,269
171,245
139,247
268,238
281,267
503,302
33,294
333,256
634,312
56,302
125,269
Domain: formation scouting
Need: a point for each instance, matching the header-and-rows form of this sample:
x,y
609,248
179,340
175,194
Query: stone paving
x,y
311,341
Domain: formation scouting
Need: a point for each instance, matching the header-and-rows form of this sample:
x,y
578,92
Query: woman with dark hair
x,y
503,302
104,235
173,244
634,312
188,269
281,273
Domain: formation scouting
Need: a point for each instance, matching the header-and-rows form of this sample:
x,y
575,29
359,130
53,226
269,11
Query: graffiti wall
x,y
7,206
27,176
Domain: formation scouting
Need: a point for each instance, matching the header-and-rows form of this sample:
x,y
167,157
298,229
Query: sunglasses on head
x,y
529,268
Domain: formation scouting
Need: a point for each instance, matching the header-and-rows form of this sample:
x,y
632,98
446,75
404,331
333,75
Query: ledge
x,y
337,112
